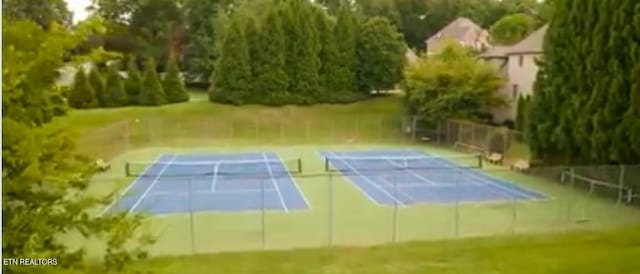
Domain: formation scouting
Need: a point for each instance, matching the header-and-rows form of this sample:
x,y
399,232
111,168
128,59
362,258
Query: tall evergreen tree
x,y
114,90
231,80
199,57
521,111
82,94
302,61
346,36
173,85
152,93
133,83
271,79
380,56
253,47
583,89
97,83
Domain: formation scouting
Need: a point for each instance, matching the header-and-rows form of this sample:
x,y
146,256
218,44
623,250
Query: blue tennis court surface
x,y
178,183
406,177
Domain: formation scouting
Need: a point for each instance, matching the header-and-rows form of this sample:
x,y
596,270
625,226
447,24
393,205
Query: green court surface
x,y
340,215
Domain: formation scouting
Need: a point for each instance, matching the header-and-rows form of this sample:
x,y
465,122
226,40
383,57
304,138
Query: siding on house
x,y
517,65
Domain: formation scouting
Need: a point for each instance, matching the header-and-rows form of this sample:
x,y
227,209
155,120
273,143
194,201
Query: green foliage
x,y
303,48
82,94
380,56
451,86
231,80
133,83
114,90
158,24
342,71
578,114
44,181
173,85
521,111
43,13
511,29
152,93
199,57
268,63
32,53
97,83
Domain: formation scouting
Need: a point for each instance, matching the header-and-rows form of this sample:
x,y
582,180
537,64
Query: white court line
x,y
153,183
273,180
122,193
294,183
214,180
173,193
366,179
415,174
487,181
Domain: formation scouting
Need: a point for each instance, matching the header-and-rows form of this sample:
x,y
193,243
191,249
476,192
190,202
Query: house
x,y
517,65
462,30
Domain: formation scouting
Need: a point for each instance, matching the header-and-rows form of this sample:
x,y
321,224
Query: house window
x,y
520,60
514,91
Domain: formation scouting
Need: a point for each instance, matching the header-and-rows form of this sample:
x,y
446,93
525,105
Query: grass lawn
x,y
613,252
341,215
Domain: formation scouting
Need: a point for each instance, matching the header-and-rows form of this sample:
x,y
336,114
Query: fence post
x,y
357,135
257,125
308,131
263,225
394,231
191,221
456,213
380,138
330,208
414,122
281,130
621,185
333,131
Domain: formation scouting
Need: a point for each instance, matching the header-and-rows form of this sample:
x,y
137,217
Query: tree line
x,y
91,89
295,52
586,104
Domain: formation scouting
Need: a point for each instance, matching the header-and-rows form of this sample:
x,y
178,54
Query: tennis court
x,y
179,183
406,177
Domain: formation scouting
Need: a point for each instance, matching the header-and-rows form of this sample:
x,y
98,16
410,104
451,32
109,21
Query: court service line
x,y
153,183
273,180
214,180
293,181
415,174
487,181
366,179
122,193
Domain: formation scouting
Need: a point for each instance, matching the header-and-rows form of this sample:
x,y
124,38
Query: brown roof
x,y
530,44
462,30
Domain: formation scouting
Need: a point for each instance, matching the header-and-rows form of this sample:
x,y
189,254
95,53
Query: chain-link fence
x,y
341,214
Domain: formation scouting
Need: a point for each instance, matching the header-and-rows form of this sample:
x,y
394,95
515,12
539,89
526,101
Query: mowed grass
x,y
612,252
300,131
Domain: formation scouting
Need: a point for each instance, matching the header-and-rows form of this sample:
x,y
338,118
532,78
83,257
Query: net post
x,y
326,165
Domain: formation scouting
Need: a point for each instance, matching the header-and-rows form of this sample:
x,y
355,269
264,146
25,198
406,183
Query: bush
x,y
152,93
82,94
114,90
173,84
133,84
97,83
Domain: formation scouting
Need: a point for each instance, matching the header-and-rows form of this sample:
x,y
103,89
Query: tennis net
x,y
364,164
257,168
